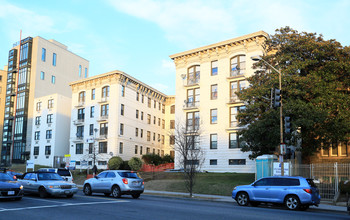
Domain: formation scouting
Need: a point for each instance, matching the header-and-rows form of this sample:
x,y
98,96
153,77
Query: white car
x,y
115,182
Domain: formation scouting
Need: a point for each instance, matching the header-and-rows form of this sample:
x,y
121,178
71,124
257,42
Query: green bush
x,y
168,159
135,163
153,159
114,163
124,166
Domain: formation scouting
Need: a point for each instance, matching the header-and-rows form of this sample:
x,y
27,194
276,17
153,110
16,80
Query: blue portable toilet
x,y
264,165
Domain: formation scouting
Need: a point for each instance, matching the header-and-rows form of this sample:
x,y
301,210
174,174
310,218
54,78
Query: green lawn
x,y
206,183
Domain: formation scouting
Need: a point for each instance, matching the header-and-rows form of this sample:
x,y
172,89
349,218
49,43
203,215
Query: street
x,y
147,207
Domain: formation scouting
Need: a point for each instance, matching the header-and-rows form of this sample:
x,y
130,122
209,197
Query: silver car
x,y
47,183
115,182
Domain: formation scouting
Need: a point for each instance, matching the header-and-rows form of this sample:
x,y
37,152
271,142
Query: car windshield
x,y
49,176
5,177
128,174
63,172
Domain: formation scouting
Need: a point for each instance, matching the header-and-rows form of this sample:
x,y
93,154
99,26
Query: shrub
x,y
153,159
168,159
114,163
124,166
135,163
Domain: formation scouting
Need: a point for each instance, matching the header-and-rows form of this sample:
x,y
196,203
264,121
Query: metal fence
x,y
326,176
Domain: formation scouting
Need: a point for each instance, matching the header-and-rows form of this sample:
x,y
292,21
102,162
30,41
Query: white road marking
x,y
46,200
67,204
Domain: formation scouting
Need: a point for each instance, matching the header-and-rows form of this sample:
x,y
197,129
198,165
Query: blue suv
x,y
296,193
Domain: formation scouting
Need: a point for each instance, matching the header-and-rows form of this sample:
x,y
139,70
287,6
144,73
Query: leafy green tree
x,y
315,93
153,159
135,163
114,163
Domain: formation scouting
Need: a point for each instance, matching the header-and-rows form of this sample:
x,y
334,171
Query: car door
x,y
259,190
32,183
25,182
107,182
97,184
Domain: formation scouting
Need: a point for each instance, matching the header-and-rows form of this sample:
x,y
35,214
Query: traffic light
x,y
276,98
287,125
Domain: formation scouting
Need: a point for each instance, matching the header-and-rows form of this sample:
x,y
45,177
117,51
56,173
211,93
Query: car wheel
x,y
136,195
254,204
42,192
303,207
242,199
116,192
107,194
292,202
70,196
87,190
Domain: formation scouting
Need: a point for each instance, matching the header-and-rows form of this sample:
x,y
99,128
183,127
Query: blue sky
x,y
137,36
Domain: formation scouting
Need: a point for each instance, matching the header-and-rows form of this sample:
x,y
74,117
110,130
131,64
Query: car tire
x,y
87,190
254,204
70,196
42,192
107,194
116,193
292,202
136,195
303,207
242,199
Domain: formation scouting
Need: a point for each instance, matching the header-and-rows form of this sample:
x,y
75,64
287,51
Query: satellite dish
x,y
183,76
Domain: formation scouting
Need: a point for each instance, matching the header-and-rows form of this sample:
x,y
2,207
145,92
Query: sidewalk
x,y
323,206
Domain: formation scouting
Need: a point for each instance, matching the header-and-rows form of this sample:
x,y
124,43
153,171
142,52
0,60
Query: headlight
x,y
54,187
74,186
21,187
234,188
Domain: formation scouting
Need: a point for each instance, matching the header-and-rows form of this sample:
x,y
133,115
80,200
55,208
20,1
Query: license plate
x,y
67,192
135,183
10,193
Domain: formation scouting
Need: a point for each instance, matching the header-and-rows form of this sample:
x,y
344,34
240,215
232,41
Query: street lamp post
x,y
258,58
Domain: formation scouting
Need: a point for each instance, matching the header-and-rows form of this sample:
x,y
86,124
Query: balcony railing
x,y
78,121
234,99
78,138
103,118
192,82
102,137
80,104
191,105
236,73
103,99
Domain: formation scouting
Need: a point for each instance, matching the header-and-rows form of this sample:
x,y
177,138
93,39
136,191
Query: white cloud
x,y
161,87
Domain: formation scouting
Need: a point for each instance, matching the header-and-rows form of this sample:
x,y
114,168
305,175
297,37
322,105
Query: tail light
x,y
308,190
125,181
143,182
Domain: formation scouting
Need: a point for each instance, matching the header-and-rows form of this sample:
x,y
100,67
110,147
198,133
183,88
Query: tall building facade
x,y
114,114
3,77
36,68
207,79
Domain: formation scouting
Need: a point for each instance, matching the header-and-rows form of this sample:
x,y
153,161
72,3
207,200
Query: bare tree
x,y
189,153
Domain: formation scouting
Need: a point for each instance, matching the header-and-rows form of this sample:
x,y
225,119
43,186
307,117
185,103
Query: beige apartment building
x,y
36,68
207,79
114,114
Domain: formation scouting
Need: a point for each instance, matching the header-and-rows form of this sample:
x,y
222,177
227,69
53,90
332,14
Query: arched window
x,y
82,96
193,75
237,65
105,91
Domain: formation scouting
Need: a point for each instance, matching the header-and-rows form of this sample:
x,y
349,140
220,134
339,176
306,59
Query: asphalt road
x,y
97,207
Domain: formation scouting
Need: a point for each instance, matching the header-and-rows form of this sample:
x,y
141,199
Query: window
x,y
86,73
214,92
91,129
163,139
123,91
47,150
172,109
140,150
236,162
121,132
37,120
141,133
137,96
142,98
81,97
172,139
120,147
81,114
137,113
154,136
193,97
163,124
159,106
92,111
158,138
42,75
213,116
102,147
148,136
236,86
49,118
38,106
43,54
104,129
79,70
36,151
136,149
148,119
325,152
158,121
149,102
155,104
213,141
192,121
172,124
80,131
105,110
163,109
54,57
91,148
192,142
214,68
53,79
193,75
136,132
102,163
121,109
37,135
343,149
213,162
93,93
141,115
234,141
154,120
238,65
50,103
105,92
334,149
48,134
79,148
148,150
